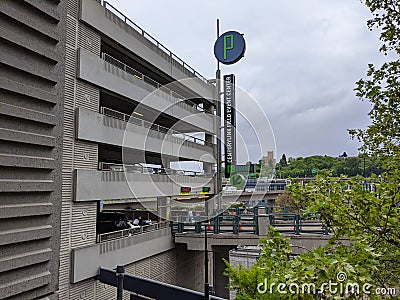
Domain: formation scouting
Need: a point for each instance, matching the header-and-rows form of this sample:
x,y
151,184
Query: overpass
x,y
306,232
227,231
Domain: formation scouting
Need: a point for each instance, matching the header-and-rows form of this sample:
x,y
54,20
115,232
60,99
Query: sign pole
x,y
206,284
229,48
218,88
219,179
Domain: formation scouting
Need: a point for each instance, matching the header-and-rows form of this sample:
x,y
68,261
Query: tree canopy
x,y
349,166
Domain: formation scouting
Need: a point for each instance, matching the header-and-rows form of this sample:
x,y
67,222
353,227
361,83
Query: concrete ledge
x,y
25,234
25,259
95,70
300,243
195,241
23,161
30,91
86,262
99,128
25,210
92,185
24,284
23,185
27,114
29,44
26,137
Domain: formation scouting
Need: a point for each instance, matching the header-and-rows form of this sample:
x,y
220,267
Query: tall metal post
x,y
219,113
206,284
219,173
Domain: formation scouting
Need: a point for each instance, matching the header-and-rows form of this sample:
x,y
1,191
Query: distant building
x,y
269,160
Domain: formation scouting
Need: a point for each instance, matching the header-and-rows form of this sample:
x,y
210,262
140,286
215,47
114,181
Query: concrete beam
x,y
86,262
108,24
300,243
95,70
92,185
96,127
195,241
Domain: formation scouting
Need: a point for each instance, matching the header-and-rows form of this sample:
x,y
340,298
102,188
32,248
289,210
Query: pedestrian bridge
x,y
306,232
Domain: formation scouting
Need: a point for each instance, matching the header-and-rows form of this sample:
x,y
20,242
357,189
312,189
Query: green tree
x,y
351,166
382,87
275,267
285,199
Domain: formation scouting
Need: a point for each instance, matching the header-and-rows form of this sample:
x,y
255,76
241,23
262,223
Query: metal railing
x,y
177,98
169,55
140,122
297,224
220,224
248,223
136,168
132,231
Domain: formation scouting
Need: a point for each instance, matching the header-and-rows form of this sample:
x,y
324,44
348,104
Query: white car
x,y
132,226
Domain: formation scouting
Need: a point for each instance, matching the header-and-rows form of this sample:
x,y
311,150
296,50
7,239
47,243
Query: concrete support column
x,y
163,208
208,168
263,224
208,108
165,162
220,280
208,138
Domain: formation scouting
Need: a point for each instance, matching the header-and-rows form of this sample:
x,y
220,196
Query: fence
x,y
129,232
236,222
140,122
297,224
162,90
137,168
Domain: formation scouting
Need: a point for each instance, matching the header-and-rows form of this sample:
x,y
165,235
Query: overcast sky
x,y
302,61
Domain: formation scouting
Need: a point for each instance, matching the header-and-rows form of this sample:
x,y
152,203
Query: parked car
x,y
148,170
133,226
117,168
111,221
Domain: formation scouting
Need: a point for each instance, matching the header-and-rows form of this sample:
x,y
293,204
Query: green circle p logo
x,y
229,47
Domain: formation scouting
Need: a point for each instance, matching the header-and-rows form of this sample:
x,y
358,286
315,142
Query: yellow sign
x,y
182,198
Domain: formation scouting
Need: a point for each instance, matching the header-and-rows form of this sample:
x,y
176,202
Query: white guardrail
x,y
137,168
140,122
131,232
169,55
